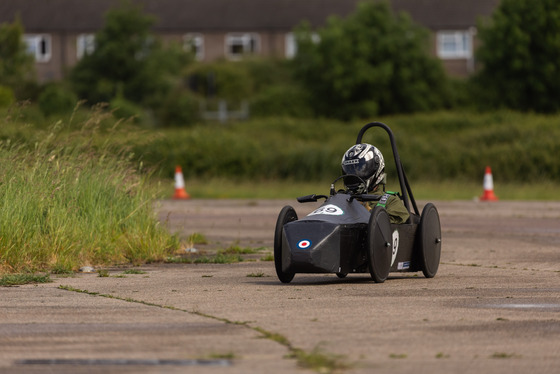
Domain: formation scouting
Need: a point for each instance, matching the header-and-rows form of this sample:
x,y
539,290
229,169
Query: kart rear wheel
x,y
379,244
429,240
287,214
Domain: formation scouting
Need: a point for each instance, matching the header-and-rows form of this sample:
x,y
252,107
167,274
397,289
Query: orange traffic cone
x,y
488,185
180,192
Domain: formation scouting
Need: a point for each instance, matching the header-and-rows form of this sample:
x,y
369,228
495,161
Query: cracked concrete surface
x,y
493,307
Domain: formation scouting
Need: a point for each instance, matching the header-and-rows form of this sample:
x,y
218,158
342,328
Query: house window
x,y
85,44
291,45
39,46
454,44
239,44
194,43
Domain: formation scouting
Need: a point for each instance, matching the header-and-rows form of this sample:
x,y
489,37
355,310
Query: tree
x,y
372,62
520,52
128,60
17,67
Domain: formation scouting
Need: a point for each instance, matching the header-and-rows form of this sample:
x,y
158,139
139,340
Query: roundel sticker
x,y
329,209
304,244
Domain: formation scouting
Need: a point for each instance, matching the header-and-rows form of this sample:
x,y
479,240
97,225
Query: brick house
x,y
59,32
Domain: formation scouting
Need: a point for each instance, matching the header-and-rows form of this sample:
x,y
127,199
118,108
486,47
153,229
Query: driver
x,y
366,161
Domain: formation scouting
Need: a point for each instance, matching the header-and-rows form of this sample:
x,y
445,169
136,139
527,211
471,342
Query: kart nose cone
x,y
313,246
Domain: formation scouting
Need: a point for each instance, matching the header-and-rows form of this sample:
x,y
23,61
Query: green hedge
x,y
437,146
520,148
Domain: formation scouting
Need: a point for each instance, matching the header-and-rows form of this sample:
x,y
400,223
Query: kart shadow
x,y
329,279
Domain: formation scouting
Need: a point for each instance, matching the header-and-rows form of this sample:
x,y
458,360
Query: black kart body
x,y
333,239
342,236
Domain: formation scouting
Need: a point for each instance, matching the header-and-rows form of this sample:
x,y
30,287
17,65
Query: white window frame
x,y
290,45
250,43
85,45
39,46
455,44
194,43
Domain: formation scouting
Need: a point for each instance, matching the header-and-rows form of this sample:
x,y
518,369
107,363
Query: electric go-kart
x,y
342,236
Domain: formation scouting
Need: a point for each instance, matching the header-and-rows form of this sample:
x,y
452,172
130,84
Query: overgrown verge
x,y
66,202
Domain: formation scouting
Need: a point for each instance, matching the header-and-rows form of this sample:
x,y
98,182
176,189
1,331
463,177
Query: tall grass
x,y
65,203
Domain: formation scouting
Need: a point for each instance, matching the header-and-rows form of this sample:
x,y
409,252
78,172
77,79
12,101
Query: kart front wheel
x,y
429,240
379,244
287,214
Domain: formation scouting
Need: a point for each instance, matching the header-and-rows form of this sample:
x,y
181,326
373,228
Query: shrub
x,y
7,96
220,79
267,84
179,109
57,99
281,100
126,109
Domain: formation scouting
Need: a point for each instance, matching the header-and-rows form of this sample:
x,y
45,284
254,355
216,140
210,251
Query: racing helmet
x,y
365,161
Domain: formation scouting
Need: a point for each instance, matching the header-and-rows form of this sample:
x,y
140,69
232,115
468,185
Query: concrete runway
x,y
493,307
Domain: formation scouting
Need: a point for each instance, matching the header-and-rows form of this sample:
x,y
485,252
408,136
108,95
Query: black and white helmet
x,y
365,161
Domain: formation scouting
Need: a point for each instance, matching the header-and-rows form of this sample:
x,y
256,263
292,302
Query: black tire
x,y
379,244
429,240
341,275
287,214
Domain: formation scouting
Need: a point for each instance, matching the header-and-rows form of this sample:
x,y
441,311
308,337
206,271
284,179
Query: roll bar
x,y
403,181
